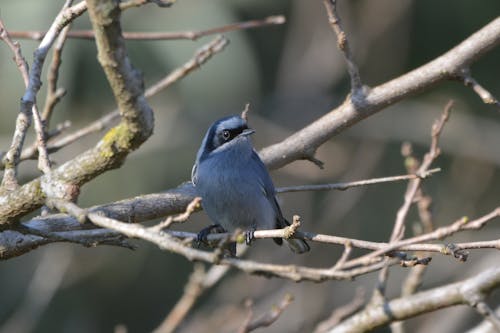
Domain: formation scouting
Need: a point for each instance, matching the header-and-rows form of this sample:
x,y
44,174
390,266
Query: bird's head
x,y
226,133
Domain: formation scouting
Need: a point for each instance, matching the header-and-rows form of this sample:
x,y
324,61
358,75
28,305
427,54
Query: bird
x,y
236,189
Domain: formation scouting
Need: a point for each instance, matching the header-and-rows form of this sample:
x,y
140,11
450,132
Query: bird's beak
x,y
247,132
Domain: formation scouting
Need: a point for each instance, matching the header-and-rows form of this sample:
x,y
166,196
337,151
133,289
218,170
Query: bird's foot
x,y
249,236
202,235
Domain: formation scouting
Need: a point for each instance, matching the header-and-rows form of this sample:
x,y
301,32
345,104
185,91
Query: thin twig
x,y
414,278
343,45
41,140
293,272
345,255
23,121
68,207
54,95
347,185
63,18
342,312
190,209
11,159
192,291
16,49
31,152
191,35
266,319
410,244
440,233
199,58
484,94
137,3
411,191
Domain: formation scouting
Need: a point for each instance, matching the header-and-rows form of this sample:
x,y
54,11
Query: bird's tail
x,y
298,245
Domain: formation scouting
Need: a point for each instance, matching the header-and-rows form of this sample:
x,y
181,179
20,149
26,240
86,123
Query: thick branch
x,y
136,125
427,301
304,143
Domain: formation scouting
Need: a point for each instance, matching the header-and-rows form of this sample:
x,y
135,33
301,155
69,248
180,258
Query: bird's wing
x,y
267,187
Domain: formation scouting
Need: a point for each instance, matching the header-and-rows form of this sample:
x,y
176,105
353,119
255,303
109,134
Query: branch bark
x,y
423,302
135,127
303,144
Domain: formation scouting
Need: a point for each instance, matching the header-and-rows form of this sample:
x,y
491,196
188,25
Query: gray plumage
x,y
234,184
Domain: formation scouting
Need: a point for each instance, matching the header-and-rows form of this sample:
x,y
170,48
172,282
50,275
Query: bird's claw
x,y
249,236
203,234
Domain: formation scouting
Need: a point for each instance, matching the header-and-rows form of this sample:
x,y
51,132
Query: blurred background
x,y
291,74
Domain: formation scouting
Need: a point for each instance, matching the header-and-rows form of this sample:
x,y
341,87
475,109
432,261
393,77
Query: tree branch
x,y
304,143
343,45
191,35
266,319
423,302
135,127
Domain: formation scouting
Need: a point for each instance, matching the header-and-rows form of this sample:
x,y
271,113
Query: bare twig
x,y
23,121
484,94
68,207
65,16
137,3
31,152
345,255
54,95
416,243
11,159
347,185
268,318
343,45
16,49
191,35
415,277
440,233
293,272
342,312
192,292
199,281
245,112
190,209
41,140
414,185
200,57
411,191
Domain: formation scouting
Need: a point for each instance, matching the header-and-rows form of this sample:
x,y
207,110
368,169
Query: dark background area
x,y
291,74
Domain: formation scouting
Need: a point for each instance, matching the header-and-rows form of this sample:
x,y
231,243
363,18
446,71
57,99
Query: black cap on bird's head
x,y
222,132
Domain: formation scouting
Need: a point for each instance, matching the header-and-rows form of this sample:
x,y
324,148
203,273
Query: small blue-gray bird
x,y
234,184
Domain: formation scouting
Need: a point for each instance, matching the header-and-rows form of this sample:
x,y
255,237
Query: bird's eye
x,y
226,134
